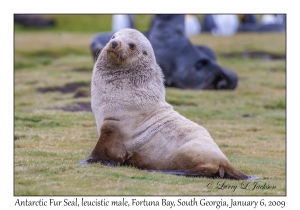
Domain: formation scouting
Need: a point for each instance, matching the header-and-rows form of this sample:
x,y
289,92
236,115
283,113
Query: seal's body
x,y
137,126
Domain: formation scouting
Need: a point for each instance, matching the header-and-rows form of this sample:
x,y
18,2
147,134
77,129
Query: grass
x,y
85,23
248,124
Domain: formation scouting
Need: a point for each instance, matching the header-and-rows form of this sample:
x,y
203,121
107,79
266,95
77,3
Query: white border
x,y
6,191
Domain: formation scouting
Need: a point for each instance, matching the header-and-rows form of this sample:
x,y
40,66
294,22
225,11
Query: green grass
x,y
248,124
84,23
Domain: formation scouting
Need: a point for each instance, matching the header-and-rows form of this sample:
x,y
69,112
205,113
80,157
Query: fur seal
x,y
185,65
136,126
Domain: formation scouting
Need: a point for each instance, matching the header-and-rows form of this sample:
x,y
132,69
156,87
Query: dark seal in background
x,y
184,65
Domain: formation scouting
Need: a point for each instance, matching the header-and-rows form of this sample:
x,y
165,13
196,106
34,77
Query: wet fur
x,y
137,127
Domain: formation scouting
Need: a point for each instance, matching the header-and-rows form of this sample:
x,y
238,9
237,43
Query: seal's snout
x,y
227,79
114,44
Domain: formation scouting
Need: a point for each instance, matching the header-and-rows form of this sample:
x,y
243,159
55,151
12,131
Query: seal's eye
x,y
132,46
113,37
201,63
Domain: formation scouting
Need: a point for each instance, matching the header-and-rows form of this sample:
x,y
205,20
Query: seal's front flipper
x,y
109,149
251,178
85,161
94,159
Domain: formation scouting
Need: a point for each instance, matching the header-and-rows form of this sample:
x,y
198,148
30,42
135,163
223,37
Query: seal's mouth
x,y
115,56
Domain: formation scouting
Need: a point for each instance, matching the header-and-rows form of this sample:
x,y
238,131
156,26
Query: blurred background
x,y
103,23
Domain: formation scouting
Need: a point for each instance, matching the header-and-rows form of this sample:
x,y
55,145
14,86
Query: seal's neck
x,y
127,89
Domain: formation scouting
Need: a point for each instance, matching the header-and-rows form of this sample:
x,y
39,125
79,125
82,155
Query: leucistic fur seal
x,y
136,126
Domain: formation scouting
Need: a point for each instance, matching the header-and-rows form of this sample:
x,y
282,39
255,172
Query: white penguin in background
x,y
272,19
122,21
192,25
226,25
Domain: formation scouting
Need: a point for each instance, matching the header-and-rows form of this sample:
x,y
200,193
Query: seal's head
x,y
128,48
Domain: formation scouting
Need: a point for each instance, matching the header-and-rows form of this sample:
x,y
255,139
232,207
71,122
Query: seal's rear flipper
x,y
230,172
225,171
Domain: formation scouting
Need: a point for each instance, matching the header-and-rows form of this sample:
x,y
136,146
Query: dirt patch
x,y
79,107
248,115
68,88
254,129
256,55
82,92
83,70
181,103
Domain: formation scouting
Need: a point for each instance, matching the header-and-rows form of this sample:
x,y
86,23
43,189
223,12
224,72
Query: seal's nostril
x,y
114,44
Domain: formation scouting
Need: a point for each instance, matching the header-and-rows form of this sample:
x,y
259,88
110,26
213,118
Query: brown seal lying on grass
x,y
137,127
